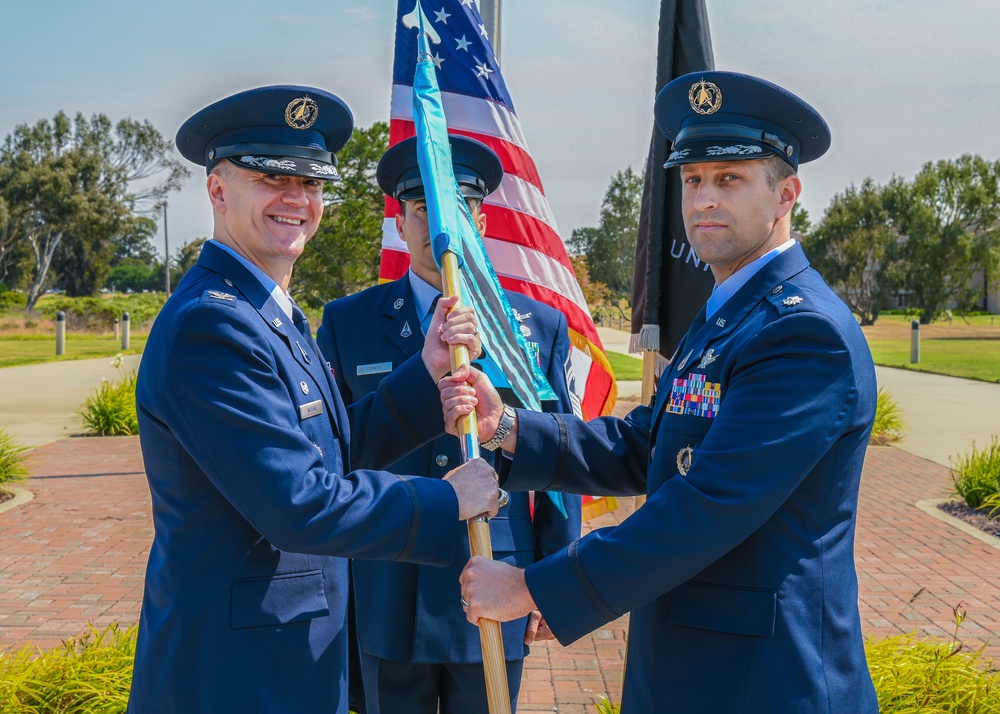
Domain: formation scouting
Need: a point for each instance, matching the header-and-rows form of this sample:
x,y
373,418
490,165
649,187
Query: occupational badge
x,y
705,97
684,361
707,359
301,113
684,460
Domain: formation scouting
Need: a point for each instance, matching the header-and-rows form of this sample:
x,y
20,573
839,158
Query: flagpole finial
x,y
417,19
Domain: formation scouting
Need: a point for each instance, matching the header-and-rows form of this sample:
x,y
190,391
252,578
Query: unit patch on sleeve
x,y
694,396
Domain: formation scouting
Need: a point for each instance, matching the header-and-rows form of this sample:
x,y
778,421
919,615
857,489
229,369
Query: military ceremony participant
x,y
419,653
254,463
739,569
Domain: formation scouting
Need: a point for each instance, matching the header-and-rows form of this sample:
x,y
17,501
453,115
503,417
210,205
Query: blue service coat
x,y
740,574
249,452
409,612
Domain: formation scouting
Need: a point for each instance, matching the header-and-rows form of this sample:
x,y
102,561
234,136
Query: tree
x,y
610,247
596,294
950,220
136,242
856,246
187,256
72,186
343,256
800,220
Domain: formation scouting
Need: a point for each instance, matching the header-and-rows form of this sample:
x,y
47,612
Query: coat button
x,y
441,460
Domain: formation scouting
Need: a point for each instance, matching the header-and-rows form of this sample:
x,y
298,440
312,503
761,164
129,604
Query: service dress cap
x,y
478,170
727,116
284,129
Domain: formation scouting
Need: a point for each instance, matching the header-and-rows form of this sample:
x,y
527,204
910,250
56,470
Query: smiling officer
x,y
248,446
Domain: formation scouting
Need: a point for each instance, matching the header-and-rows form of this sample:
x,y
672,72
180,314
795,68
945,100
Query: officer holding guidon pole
x,y
739,569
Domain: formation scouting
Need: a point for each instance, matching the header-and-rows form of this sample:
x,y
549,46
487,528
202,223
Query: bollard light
x,y
915,342
117,335
125,331
60,333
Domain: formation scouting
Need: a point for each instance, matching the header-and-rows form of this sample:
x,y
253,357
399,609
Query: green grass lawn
x,y
624,366
972,359
36,349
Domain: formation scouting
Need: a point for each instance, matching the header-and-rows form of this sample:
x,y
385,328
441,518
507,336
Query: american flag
x,y
522,239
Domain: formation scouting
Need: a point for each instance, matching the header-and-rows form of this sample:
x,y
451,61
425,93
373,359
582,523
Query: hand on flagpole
x,y
458,327
495,591
469,390
475,484
537,629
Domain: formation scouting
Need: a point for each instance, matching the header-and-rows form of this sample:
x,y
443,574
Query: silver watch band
x,y
503,428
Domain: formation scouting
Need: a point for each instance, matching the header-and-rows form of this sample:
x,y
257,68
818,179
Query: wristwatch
x,y
503,428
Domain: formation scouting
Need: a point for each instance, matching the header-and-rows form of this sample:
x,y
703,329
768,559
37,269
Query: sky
x,y
900,82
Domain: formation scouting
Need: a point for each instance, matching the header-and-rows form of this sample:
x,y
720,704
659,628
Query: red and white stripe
x,y
522,239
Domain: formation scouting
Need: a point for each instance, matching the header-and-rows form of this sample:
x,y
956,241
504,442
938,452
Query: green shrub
x,y
913,675
110,410
606,707
10,300
93,313
91,675
889,422
12,468
976,475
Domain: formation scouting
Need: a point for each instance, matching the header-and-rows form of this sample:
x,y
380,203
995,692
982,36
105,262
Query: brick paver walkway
x,y
76,554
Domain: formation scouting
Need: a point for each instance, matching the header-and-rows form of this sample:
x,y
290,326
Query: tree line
x,y
75,193
80,199
924,239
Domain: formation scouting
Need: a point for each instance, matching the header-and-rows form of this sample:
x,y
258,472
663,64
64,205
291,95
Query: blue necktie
x,y
425,323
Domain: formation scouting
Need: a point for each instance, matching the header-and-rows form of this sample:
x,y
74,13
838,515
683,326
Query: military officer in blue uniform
x,y
739,570
263,483
420,654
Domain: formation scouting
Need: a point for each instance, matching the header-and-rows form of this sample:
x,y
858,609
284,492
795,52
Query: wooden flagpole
x,y
491,639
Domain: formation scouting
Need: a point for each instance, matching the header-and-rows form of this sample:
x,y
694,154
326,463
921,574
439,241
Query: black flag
x,y
671,284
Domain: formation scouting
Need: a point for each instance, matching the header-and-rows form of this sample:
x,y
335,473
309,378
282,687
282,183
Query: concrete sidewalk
x,y
40,403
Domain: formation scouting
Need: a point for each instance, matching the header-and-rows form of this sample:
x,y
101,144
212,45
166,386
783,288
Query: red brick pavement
x,y
77,552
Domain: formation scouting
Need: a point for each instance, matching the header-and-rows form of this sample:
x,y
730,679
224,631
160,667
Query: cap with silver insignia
x,y
478,170
727,116
282,129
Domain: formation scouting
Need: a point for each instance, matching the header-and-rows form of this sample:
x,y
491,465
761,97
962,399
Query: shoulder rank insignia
x,y
221,295
791,301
